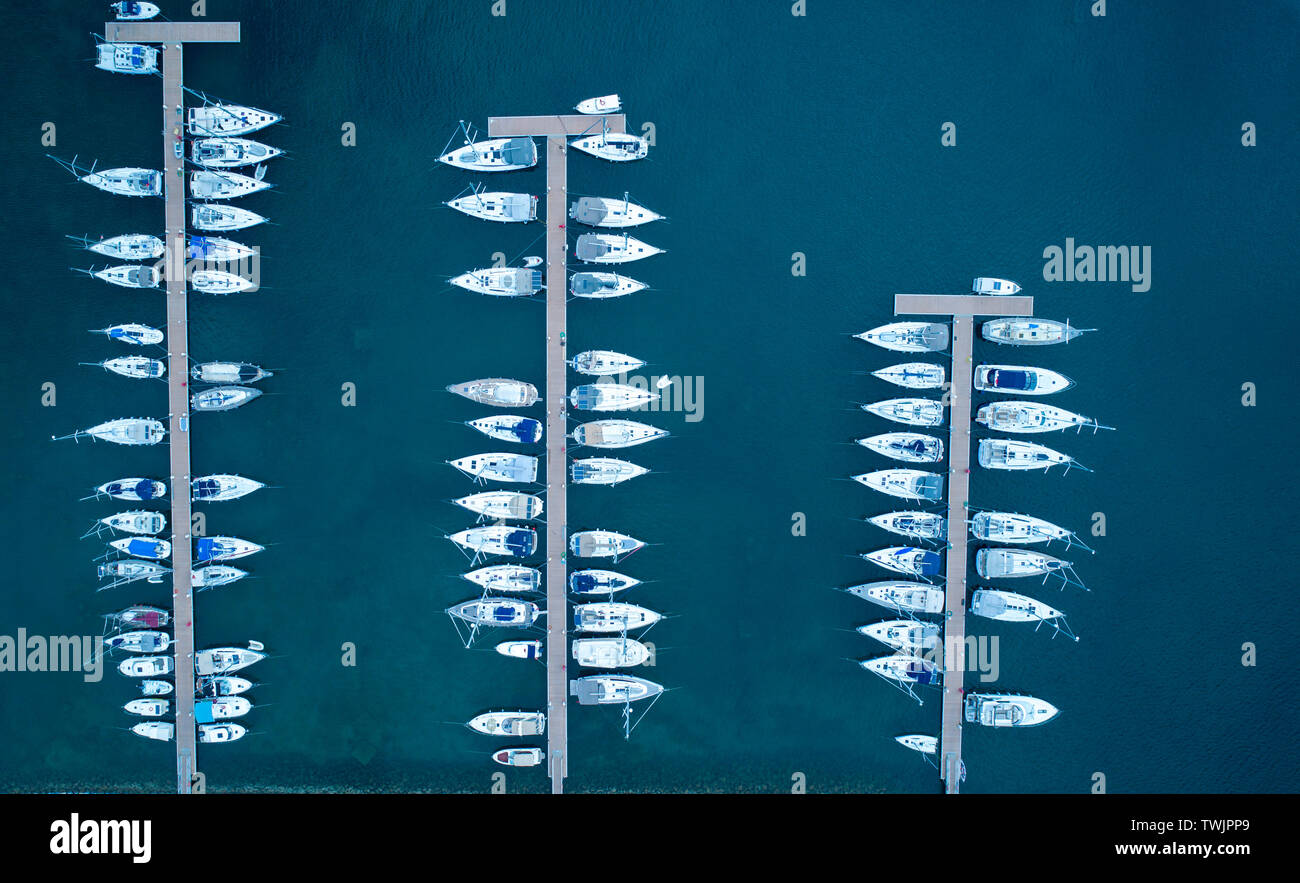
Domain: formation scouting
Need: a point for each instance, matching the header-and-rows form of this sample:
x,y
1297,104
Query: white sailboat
x,y
220,487
132,333
127,247
604,470
230,153
620,652
902,596
509,428
912,412
502,505
990,285
1030,332
1012,607
613,146
499,392
125,431
908,337
608,248
930,526
913,375
519,468
904,635
219,282
600,286
599,211
508,208
600,582
909,447
1031,417
610,397
130,275
127,58
501,281
615,433
910,484
135,367
506,578
605,363
497,539
1013,455
220,217
492,155
603,544
229,120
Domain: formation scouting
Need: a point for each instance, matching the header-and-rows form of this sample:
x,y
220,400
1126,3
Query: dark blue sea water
x,y
775,135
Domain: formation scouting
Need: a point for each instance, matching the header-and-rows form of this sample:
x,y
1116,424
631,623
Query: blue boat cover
x,y
205,488
148,548
1011,380
521,543
206,548
929,563
203,711
144,489
582,582
526,430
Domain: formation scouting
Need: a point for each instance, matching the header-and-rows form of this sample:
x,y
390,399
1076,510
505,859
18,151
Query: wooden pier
x,y
173,36
963,309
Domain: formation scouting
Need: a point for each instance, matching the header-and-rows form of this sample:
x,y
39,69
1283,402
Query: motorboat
x,y
217,250
127,58
130,10
221,708
518,468
227,660
913,375
135,367
148,548
913,412
907,559
498,612
137,521
163,731
140,616
904,635
989,285
1020,379
218,488
921,525
605,363
223,549
133,489
518,208
602,285
612,689
613,146
229,372
610,397
223,398
603,470
615,433
602,104
230,153
916,742
612,617
618,652
910,447
506,578
521,757
498,539
910,484
600,582
608,248
1007,710
520,649
156,688
603,544
211,733
130,275
146,666
904,597
214,575
130,570
501,281
502,505
133,333
219,282
493,155
509,428
1031,417
127,247
908,337
224,185
1000,563
221,685
1010,527
499,392
1010,454
597,211
1025,331
1012,607
219,217
139,641
228,120
126,431
509,723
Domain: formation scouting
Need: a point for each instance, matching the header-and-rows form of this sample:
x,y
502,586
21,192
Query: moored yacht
x,y
223,185
149,548
913,412
1010,454
230,153
1010,527
132,333
615,433
600,582
520,757
219,282
502,505
216,249
140,616
906,559
908,337
493,155
520,649
129,275
136,367
498,539
211,733
1012,607
604,470
223,398
600,104
597,211
922,525
603,544
518,208
910,447
1007,710
127,247
163,731
607,248
217,216
602,285
138,521
146,666
496,612
229,372
1020,379
905,597
913,375
610,397
605,363
501,281
612,617
1031,417
223,548
612,689
509,428
1029,332
917,742
214,575
133,489
130,570
127,58
906,635
219,488
1001,563
126,431
620,652
910,484
990,285
228,120
148,707
133,10
509,723
139,641
613,146
519,468
497,391
506,578
227,660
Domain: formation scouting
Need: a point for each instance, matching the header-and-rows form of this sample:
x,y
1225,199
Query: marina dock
x,y
173,36
963,309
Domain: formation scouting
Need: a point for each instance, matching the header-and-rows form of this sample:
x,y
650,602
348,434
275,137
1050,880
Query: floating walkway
x,y
963,308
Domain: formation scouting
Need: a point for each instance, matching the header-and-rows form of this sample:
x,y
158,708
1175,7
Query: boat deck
x,y
963,309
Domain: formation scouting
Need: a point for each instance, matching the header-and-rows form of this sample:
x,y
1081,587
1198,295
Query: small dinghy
x,y
497,612
219,282
493,155
146,666
1011,607
223,398
517,468
219,488
230,153
127,247
618,652
604,363
1009,454
223,549
130,570
613,146
602,104
215,575
217,250
1009,527
500,505
612,689
1000,563
910,447
501,281
223,185
905,635
499,392
132,333
910,484
228,120
520,649
227,660
140,616
217,217
599,582
602,285
221,708
607,248
1007,710
163,731
903,597
506,208
610,397
129,275
604,470
125,431
521,757
506,578
596,211
134,489
913,412
921,525
1031,417
603,544
229,372
136,367
498,539
221,685
509,428
913,375
148,548
908,337
127,58
906,559
509,723
141,641
131,10
612,617
1030,332
137,521
156,688
211,733
990,285
615,433
1020,379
